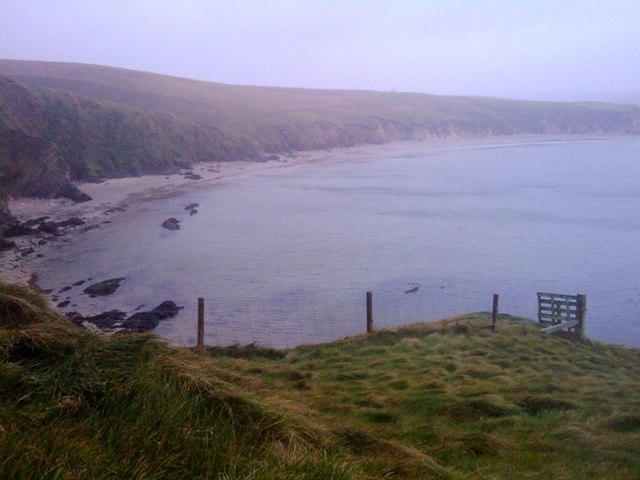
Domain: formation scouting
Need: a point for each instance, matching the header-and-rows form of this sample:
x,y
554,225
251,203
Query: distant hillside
x,y
61,122
281,120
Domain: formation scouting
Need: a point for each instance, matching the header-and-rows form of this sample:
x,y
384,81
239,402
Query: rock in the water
x,y
192,176
18,230
141,322
71,222
64,304
193,212
191,206
6,244
78,283
145,321
48,227
106,319
65,289
171,224
26,251
166,309
102,320
34,221
106,287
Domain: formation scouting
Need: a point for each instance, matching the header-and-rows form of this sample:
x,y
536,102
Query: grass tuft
x,y
535,404
624,423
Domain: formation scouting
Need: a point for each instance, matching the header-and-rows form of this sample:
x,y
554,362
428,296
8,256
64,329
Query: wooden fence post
x,y
200,344
369,312
581,314
494,312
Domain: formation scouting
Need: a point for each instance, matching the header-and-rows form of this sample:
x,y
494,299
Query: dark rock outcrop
x,y
35,221
106,287
17,229
145,321
102,320
6,244
192,176
106,319
71,222
166,309
171,224
50,178
48,227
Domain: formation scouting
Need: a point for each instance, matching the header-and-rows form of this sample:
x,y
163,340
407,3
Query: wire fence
x,y
314,317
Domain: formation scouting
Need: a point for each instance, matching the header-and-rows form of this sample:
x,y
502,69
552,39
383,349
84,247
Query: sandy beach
x,y
113,197
110,199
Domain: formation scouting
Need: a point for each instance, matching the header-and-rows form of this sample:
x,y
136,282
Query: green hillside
x,y
445,400
48,135
289,119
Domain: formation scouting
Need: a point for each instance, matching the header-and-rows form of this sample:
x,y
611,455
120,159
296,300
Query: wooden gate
x,y
557,312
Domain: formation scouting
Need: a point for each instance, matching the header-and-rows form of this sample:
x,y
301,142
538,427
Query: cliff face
x,y
48,139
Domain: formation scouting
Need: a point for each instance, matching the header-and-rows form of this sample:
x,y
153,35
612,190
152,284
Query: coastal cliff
x,y
50,138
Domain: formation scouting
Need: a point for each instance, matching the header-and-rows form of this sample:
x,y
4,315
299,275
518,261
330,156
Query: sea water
x,y
285,257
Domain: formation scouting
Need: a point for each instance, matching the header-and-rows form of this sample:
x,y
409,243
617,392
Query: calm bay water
x,y
285,257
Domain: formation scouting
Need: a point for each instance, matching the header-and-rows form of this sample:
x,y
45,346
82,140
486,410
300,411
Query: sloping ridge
x,y
280,120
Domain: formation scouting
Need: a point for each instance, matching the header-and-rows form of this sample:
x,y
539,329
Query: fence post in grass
x,y
369,312
494,312
200,344
581,314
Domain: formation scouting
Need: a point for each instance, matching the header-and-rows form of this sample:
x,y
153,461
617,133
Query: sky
x,y
529,49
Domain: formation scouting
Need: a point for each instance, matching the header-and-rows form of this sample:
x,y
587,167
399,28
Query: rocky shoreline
x,y
38,224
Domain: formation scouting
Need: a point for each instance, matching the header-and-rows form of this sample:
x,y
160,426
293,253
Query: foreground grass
x,y
446,400
509,404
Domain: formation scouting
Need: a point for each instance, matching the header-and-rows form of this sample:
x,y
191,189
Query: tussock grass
x,y
74,404
508,404
442,400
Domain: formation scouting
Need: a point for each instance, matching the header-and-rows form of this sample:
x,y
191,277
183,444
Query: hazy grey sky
x,y
526,49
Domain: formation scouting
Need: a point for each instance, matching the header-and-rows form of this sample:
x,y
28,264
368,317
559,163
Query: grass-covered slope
x,y
288,119
48,137
445,400
76,405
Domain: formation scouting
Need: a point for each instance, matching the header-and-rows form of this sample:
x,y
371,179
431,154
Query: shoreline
x,y
113,197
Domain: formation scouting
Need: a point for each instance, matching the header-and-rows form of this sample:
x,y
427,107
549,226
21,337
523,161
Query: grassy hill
x,y
445,400
289,119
